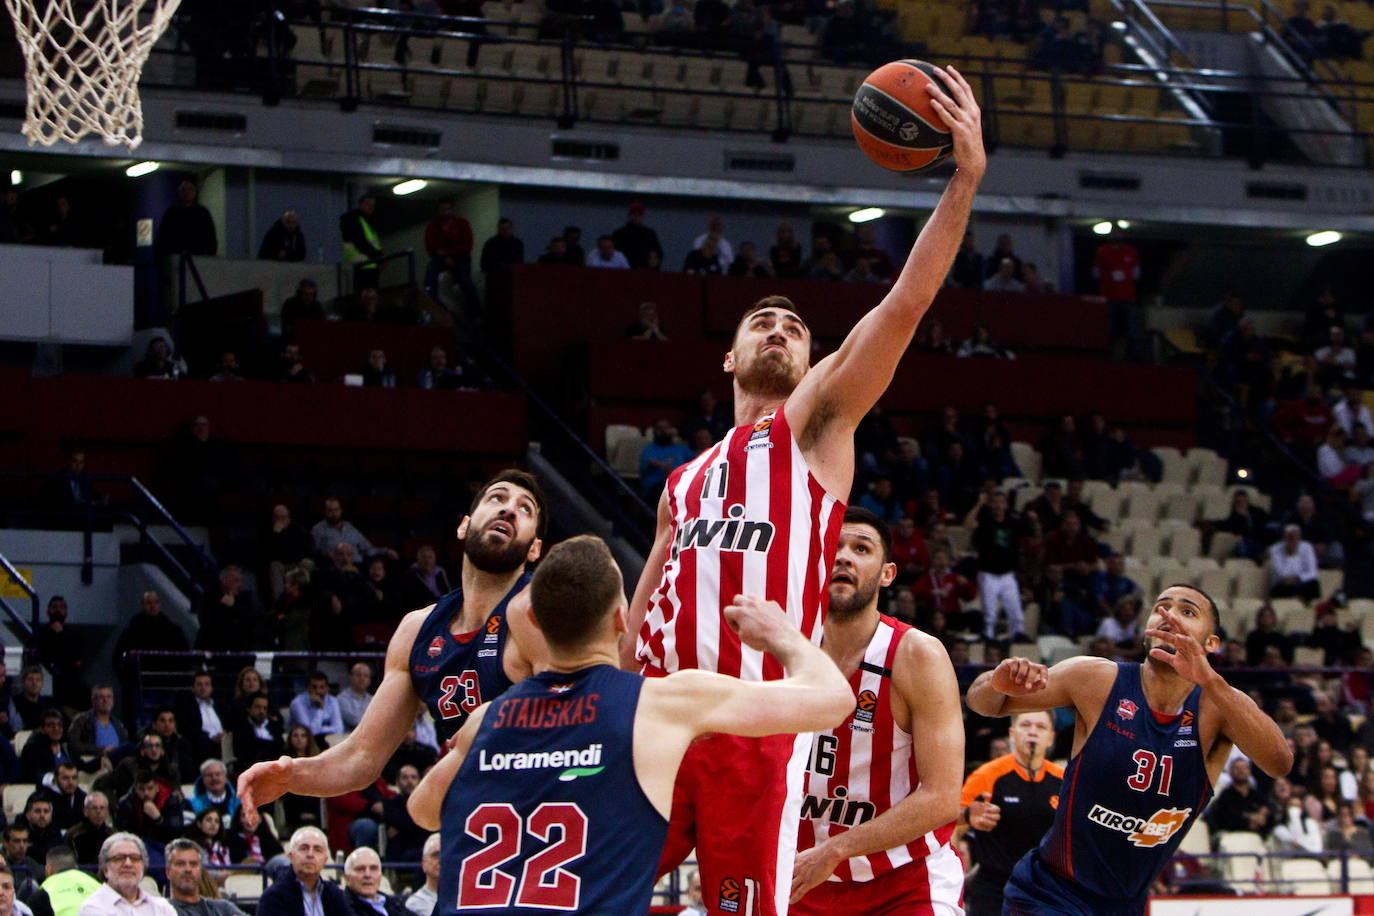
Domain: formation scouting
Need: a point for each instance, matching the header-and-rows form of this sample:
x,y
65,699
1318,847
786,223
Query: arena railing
x,y
25,628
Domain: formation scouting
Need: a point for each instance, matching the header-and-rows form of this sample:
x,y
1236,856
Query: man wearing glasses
x,y
123,858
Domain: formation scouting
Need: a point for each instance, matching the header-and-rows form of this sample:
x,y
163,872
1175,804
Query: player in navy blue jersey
x,y
1150,740
556,794
465,649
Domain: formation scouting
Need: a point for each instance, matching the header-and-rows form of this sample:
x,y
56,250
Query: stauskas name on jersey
x,y
589,756
1141,831
536,712
734,533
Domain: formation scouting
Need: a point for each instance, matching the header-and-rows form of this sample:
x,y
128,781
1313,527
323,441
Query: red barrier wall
x,y
333,349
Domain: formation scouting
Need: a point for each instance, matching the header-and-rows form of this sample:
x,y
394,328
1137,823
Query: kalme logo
x,y
436,645
1126,709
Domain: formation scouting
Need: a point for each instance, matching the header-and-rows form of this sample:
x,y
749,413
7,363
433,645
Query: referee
x,y
1008,806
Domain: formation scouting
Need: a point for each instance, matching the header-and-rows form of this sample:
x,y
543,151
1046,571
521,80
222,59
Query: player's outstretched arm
x,y
648,581
924,677
426,803
1020,685
1243,723
356,761
855,376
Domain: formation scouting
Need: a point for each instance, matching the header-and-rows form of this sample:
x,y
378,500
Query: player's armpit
x,y
426,803
648,581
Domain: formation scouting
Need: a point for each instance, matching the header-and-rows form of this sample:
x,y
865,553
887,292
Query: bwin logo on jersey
x,y
838,810
733,534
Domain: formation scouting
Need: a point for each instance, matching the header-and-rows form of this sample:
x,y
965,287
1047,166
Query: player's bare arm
x,y
426,803
526,651
846,384
1019,685
925,703
1237,719
356,761
644,590
674,710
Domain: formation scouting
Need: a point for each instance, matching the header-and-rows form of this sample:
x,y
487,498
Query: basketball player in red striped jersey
x,y
882,788
759,514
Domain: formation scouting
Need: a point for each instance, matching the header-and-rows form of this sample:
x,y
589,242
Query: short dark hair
x,y
29,669
526,481
65,765
143,777
52,714
573,590
53,600
318,676
771,302
1211,602
16,827
858,515
61,857
35,798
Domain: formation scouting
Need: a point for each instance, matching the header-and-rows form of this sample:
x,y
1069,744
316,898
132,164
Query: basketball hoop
x,y
82,68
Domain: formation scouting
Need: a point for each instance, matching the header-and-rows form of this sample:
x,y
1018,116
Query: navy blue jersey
x,y
455,673
1125,804
546,813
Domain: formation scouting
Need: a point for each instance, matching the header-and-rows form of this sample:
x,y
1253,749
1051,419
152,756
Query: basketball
x,y
893,120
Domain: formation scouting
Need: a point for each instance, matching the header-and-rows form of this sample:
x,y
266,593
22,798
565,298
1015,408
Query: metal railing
x,y
25,629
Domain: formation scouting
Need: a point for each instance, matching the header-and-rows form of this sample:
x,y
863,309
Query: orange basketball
x,y
893,120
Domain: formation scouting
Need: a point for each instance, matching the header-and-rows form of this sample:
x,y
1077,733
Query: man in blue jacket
x,y
305,892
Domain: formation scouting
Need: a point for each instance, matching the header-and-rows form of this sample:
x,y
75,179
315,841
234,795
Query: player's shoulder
x,y
915,647
403,640
1093,667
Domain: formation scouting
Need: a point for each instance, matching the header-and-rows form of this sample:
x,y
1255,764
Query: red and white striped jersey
x,y
864,767
748,518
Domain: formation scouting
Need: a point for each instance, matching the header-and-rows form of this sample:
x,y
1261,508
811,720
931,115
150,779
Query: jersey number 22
x,y
544,883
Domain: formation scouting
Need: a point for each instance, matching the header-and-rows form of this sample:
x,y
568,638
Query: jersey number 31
x,y
544,883
1145,763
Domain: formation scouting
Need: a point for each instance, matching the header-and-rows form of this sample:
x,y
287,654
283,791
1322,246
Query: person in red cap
x,y
635,240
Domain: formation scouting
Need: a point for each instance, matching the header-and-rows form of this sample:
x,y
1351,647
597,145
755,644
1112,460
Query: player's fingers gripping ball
x,y
894,121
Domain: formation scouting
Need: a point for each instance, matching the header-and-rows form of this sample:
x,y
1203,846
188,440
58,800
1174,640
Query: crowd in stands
x,y
1327,36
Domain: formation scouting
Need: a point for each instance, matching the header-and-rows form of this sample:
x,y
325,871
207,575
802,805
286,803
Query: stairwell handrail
x,y
26,630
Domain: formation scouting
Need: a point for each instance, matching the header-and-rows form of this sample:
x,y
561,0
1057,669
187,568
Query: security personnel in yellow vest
x,y
65,888
361,244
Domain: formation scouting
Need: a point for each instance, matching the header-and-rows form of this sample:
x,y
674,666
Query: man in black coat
x,y
187,226
258,736
308,852
363,876
635,240
201,719
284,241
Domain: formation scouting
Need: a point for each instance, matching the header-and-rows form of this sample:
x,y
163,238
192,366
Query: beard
x,y
848,605
771,372
490,558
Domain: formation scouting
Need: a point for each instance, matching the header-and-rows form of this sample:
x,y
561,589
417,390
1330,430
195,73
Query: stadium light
x,y
1123,224
1243,473
1103,228
409,187
16,177
867,214
138,170
1325,237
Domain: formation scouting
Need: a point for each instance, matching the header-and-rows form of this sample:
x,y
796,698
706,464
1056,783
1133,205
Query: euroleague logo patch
x,y
1158,828
436,646
729,895
1126,709
863,709
494,624
758,438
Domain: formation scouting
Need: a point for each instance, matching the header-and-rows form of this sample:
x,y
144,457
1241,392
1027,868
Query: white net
x,y
82,61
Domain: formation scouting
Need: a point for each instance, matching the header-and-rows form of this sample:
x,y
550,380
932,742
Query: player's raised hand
x,y
262,784
983,814
760,624
964,119
1018,677
1188,657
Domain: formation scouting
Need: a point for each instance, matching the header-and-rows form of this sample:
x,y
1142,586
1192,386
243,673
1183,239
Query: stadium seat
x,y
1176,469
244,885
1308,657
960,537
1114,538
1239,617
1106,502
15,795
623,445
1200,565
1145,543
1198,840
1304,877
1244,866
1032,611
1223,545
1332,581
1217,583
21,738
1182,504
1214,502
1185,544
1357,873
1025,650
1252,582
1027,459
1027,495
149,886
1210,467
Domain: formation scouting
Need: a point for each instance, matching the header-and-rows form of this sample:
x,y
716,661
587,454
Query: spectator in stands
x,y
284,241
825,264
1122,627
942,589
148,631
201,462
64,886
160,362
1030,275
1224,319
98,732
711,415
967,270
186,226
305,304
413,751
704,259
1248,523
1071,557
354,699
362,878
1241,805
61,229
300,809
1116,267
305,891
661,455
1317,531
937,439
213,791
67,797
87,837
1304,422
909,551
362,246
1336,359
981,345
228,370
333,530
45,749
1061,454
448,242
504,249
1112,584
1332,463
785,255
1004,279
185,879
289,621
440,376
1330,724
27,869
207,831
202,717
345,598
1073,499
425,581
715,231
285,545
258,736
71,489
572,247
880,499
43,833
749,264
1339,644
647,326
1350,412
123,860
151,757
635,240
866,246
1293,567
231,619
605,255
424,900
387,602
1049,507
317,709
404,839
62,651
30,702
996,540
1345,835
377,374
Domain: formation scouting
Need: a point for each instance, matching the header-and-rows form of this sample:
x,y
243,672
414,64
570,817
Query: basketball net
x,y
82,68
